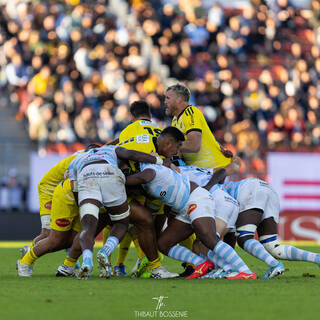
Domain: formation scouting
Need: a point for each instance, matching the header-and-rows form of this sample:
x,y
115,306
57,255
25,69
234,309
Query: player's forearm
x,y
135,179
218,177
190,147
133,155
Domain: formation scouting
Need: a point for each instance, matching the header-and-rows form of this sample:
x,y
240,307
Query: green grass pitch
x,y
294,295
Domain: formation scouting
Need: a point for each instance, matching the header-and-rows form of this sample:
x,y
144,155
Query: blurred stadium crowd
x,y
73,67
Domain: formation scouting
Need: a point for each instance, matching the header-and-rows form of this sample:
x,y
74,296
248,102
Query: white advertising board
x,y
39,166
296,178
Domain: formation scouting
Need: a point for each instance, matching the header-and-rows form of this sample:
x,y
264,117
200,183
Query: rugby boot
x,y
188,270
104,264
24,270
274,271
241,276
120,270
85,270
65,271
162,273
202,269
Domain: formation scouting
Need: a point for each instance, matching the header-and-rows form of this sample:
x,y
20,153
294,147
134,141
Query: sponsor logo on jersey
x,y
191,208
163,194
48,204
62,222
143,138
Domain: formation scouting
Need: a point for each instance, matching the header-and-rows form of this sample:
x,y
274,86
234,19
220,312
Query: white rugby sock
x,y
110,244
229,255
87,255
220,263
256,249
293,253
183,254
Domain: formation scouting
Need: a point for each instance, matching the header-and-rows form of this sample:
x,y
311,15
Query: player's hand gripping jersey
x,y
210,155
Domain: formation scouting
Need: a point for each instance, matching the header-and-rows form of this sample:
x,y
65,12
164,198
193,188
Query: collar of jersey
x,y
180,114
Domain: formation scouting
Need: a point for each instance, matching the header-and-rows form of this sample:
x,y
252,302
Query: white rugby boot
x,y
65,271
162,273
24,270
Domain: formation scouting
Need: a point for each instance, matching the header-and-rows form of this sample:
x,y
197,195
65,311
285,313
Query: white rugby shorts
x,y
102,182
226,207
200,204
258,194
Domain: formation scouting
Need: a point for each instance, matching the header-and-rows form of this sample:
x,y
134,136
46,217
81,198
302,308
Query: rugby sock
x,y
33,243
183,254
188,243
227,253
293,253
202,256
123,249
139,250
110,244
219,262
287,252
87,255
105,234
155,263
256,249
29,258
70,262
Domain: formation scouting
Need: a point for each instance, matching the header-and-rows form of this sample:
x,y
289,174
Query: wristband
x,y
159,161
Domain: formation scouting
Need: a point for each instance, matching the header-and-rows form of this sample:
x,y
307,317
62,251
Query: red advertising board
x,y
299,226
296,178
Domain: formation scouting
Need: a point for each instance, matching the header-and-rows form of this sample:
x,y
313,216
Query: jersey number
x,y
153,132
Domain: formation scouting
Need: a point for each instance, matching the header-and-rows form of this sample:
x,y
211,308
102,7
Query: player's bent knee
x,y
272,245
244,233
89,209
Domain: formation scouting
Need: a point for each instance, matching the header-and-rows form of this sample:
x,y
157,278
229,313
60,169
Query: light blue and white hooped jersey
x,y
169,186
106,153
200,176
232,187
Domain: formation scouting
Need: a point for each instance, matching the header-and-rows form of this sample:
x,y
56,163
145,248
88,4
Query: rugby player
x,y
64,225
200,147
99,181
193,206
140,135
46,188
259,210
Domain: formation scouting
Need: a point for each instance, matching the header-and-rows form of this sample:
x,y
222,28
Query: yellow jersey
x,y
210,155
55,175
140,136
